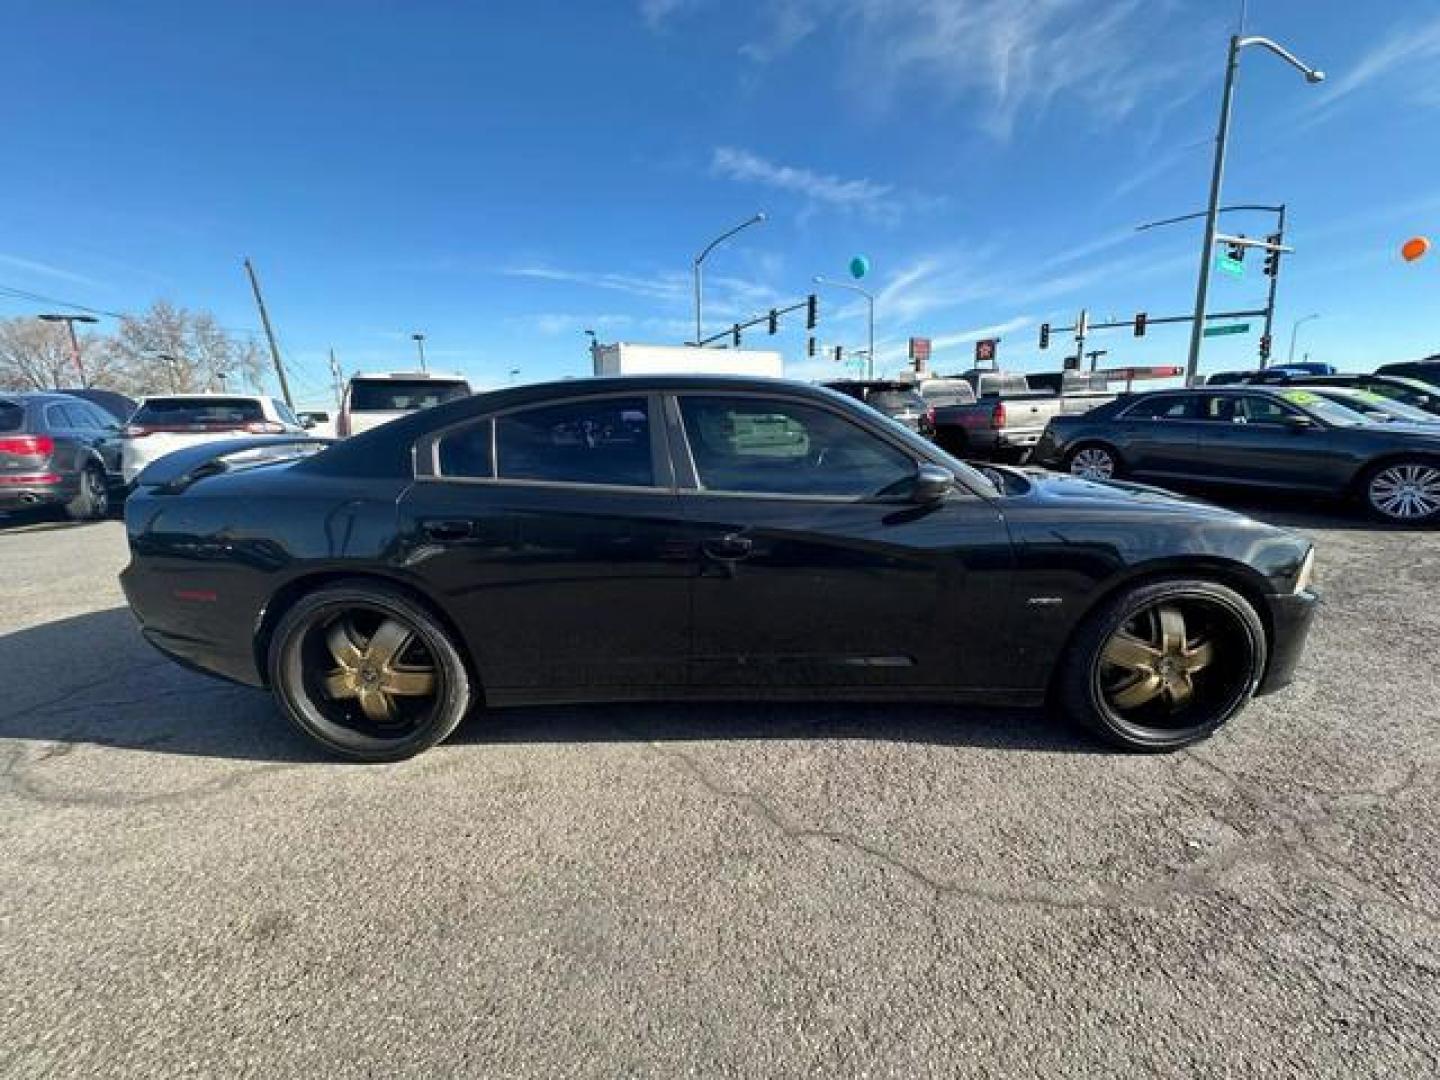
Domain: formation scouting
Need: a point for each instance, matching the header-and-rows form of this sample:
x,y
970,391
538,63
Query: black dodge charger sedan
x,y
696,537
1286,438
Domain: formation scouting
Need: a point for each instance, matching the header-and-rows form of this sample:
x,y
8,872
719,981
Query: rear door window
x,y
12,416
198,412
467,452
403,395
598,441
1164,407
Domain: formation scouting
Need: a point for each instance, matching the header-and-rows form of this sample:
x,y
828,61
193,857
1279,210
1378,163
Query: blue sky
x,y
502,176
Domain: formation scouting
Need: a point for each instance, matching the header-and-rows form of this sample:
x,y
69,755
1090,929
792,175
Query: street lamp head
x,y
759,216
1313,76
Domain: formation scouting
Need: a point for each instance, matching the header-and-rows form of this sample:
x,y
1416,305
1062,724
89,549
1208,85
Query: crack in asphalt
x,y
1203,880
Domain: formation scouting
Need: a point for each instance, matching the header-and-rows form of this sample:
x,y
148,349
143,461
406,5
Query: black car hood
x,y
1062,490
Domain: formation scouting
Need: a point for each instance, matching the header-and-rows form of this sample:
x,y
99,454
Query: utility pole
x,y
335,378
269,335
1274,284
1082,324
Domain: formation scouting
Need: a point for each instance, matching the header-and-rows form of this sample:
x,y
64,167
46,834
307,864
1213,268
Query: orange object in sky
x,y
1413,248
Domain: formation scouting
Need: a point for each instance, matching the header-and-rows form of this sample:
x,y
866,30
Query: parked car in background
x,y
165,423
118,405
375,399
1410,391
1254,437
57,450
1009,415
1372,406
900,401
676,537
1426,371
318,422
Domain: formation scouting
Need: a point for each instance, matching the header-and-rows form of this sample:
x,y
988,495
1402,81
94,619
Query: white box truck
x,y
623,358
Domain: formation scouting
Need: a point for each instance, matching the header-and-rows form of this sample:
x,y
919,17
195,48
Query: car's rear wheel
x,y
1093,461
92,501
1163,665
1405,492
368,672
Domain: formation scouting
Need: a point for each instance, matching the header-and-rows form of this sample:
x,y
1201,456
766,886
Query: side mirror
x,y
932,483
1296,422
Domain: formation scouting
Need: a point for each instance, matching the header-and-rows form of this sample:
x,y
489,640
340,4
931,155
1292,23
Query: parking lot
x,y
190,889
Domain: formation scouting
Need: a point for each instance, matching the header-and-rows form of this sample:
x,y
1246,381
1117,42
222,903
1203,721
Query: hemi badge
x,y
205,596
1044,601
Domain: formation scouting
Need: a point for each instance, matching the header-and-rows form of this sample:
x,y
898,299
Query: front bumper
x,y
1290,620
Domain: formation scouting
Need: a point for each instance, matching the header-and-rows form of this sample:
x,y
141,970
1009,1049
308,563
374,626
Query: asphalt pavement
x,y
187,888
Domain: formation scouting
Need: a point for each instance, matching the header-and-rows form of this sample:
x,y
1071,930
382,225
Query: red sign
x,y
920,349
985,350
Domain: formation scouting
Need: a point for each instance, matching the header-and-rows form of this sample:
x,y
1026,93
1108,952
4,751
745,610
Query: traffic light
x,y
1264,346
1044,335
1235,249
774,320
1272,257
735,335
985,351
837,354
810,346
812,312
1141,320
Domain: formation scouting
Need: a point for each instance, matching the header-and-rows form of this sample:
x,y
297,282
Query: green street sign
x,y
1233,267
1233,328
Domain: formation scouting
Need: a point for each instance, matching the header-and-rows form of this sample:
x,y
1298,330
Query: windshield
x,y
1397,411
403,395
1331,412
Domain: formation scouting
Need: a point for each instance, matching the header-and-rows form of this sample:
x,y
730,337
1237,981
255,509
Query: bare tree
x,y
170,349
35,355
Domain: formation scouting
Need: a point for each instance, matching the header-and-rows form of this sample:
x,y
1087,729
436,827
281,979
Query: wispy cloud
x,y
861,196
657,12
1401,54
995,330
31,266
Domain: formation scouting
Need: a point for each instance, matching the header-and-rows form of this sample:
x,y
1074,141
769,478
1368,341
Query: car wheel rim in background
x,y
1406,492
1093,464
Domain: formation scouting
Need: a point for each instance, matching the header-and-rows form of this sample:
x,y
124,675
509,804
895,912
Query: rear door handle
x,y
728,548
454,529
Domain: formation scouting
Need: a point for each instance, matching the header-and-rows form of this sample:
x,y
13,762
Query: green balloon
x,y
859,267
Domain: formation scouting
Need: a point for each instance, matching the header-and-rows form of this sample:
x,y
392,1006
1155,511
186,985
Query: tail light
x,y
930,416
265,427
28,445
997,416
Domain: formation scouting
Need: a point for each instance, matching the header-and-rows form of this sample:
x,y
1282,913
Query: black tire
x,y
1404,492
300,672
1088,683
92,501
1082,451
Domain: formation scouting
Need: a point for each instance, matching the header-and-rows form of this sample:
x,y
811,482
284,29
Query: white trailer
x,y
624,358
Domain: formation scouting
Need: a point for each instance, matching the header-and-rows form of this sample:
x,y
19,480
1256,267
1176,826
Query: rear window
x,y
403,395
215,411
894,401
12,416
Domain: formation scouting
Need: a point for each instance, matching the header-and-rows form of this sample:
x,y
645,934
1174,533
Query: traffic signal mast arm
x,y
771,318
1153,320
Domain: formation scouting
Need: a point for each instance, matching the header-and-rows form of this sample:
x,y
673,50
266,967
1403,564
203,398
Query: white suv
x,y
170,422
371,400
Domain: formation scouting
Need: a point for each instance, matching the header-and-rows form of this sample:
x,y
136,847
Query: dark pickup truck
x,y
1010,413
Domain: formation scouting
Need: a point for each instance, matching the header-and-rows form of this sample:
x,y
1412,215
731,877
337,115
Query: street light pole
x,y
419,340
870,299
1217,178
1295,330
758,217
70,321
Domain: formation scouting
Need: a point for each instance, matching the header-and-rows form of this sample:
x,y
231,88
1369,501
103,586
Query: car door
x,y
550,532
1263,440
1158,435
814,571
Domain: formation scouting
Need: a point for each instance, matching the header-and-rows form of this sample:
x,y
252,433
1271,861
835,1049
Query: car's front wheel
x,y
1404,492
1163,665
368,672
